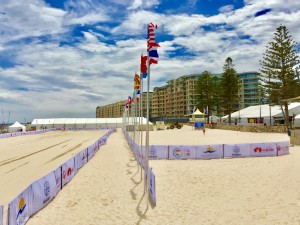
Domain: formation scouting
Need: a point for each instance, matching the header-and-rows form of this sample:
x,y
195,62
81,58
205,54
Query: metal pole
x,y
147,130
142,116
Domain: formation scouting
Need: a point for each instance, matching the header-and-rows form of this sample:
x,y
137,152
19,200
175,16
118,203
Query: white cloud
x,y
226,8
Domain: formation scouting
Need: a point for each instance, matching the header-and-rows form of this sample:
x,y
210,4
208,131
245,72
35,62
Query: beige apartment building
x,y
178,98
115,110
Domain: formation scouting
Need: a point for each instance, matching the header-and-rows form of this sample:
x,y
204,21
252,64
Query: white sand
x,y
109,189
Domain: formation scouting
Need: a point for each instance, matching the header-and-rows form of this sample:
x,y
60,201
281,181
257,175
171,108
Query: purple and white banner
x,y
91,152
151,186
1,215
57,174
158,152
182,152
263,149
43,190
236,150
19,208
68,171
283,147
209,151
81,159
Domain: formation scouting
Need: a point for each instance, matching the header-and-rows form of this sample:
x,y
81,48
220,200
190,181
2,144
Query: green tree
x,y
277,74
207,88
229,88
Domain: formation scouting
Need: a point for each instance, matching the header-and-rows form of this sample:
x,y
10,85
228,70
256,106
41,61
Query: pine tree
x,y
277,74
229,87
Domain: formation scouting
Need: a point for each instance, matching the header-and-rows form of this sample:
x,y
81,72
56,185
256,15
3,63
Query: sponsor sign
x,y
43,190
1,215
81,159
158,152
209,151
182,152
58,177
19,208
151,186
263,149
68,171
283,147
236,150
91,152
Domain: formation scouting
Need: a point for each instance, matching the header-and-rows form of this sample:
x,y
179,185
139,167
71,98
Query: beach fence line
x,y
210,151
139,155
21,133
39,193
15,134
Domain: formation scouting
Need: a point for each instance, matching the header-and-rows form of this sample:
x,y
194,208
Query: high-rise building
x,y
249,92
116,110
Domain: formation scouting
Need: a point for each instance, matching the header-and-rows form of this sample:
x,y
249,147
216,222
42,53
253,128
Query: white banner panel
x,y
263,149
68,171
81,159
209,151
19,208
58,177
158,152
1,215
236,150
151,186
91,152
283,147
43,190
182,152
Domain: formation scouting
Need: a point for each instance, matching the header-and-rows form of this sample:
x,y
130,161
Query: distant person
x,y
203,129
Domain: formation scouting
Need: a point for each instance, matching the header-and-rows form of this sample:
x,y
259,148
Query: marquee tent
x,y
252,114
82,123
16,127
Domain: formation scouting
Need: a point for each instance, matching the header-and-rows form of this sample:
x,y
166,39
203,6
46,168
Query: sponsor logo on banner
x,y
209,149
261,150
46,192
236,150
21,210
153,153
67,173
283,148
178,153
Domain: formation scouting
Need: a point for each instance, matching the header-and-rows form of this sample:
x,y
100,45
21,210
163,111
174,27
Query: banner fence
x,y
38,194
1,215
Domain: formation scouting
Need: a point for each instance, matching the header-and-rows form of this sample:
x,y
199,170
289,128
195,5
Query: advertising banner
x,y
91,152
236,150
81,159
209,151
283,147
19,208
158,152
182,152
68,171
1,215
58,177
151,186
263,149
43,190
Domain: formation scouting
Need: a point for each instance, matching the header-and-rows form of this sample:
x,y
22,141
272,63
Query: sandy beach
x,y
110,190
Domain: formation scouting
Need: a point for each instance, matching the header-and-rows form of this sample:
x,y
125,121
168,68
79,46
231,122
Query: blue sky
x,y
64,58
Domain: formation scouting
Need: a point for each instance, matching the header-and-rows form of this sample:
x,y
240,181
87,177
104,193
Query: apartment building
x,y
178,98
116,110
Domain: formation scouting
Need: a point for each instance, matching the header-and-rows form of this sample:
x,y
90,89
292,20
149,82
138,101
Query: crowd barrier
x,y
1,215
14,134
38,194
214,151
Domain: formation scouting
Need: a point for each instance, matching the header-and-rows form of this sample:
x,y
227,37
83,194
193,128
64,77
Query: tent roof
x,y
17,124
197,112
83,121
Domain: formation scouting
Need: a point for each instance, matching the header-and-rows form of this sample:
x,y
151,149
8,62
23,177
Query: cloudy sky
x,y
63,58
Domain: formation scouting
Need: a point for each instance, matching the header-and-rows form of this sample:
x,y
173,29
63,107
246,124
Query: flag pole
x,y
147,129
142,118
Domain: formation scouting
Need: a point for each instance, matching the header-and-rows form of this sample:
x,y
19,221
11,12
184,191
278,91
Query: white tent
x,y
266,112
16,127
197,116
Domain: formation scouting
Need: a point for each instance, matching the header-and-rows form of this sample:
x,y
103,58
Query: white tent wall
x,y
16,127
81,123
